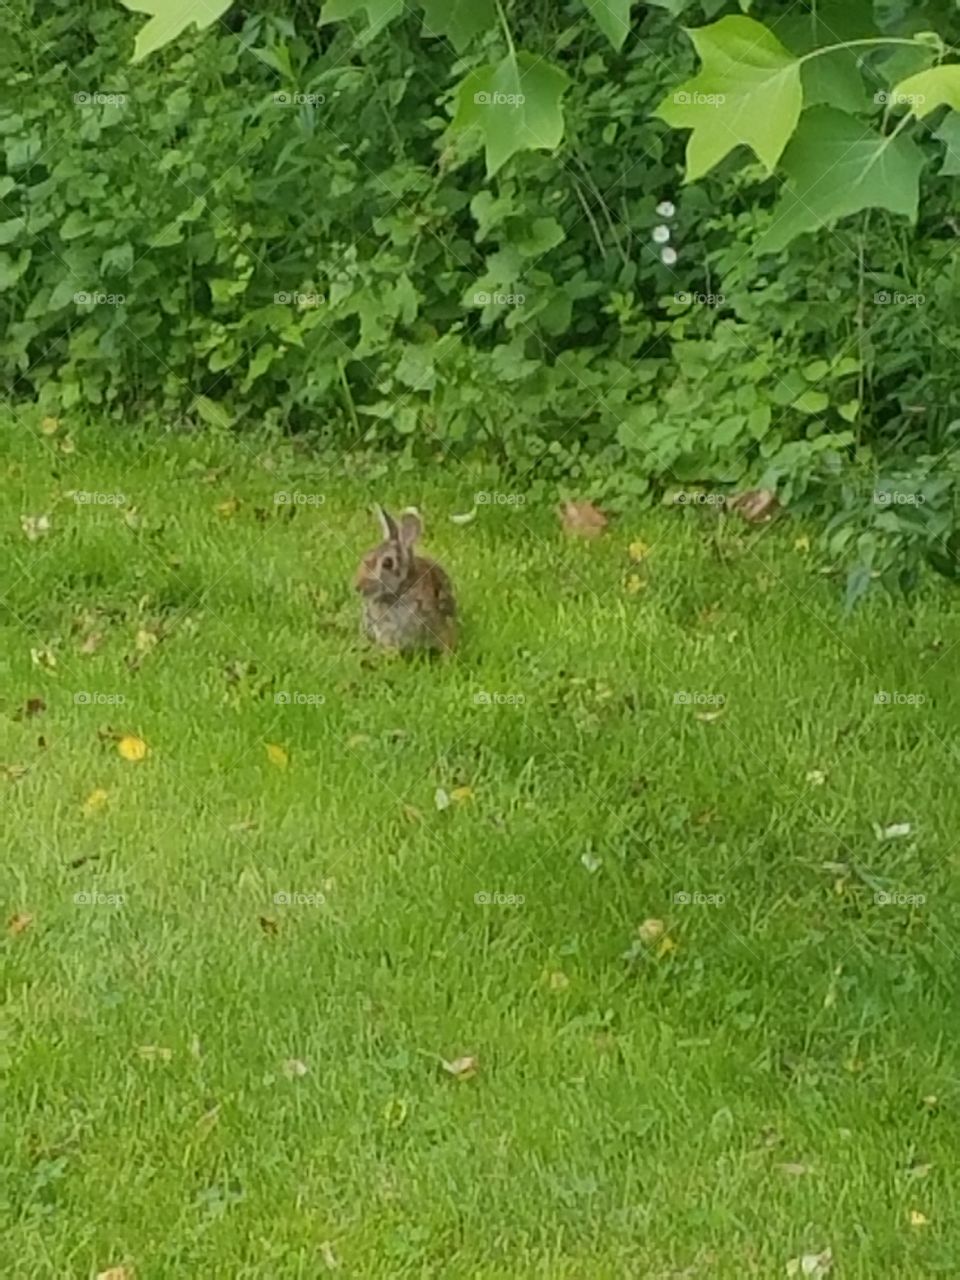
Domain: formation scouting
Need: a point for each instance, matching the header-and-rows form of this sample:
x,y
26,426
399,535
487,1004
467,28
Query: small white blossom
x,y
668,256
661,234
665,209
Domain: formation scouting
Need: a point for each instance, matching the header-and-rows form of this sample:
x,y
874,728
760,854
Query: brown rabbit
x,y
408,600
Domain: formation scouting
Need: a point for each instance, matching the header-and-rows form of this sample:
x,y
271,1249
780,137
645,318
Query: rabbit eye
x,y
387,562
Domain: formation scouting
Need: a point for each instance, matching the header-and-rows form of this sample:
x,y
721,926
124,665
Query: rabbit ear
x,y
411,526
387,524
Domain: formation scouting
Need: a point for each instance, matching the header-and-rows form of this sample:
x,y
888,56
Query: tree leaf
x,y
929,89
379,13
613,19
168,18
835,167
458,20
748,91
515,105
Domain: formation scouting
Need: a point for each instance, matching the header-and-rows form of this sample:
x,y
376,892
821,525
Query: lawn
x,y
711,995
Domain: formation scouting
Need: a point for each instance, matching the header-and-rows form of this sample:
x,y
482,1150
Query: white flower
x,y
668,256
661,234
665,209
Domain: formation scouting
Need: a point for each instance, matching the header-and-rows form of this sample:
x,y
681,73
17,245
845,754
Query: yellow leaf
x,y
50,426
395,1112
461,1068
638,551
650,931
228,508
146,640
461,794
918,1219
116,1273
558,981
276,755
633,585
132,748
802,544
18,923
294,1068
95,801
667,945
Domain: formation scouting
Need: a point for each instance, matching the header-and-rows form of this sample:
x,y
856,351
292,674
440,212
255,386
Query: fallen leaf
x,y
558,981
918,1170
666,946
35,527
13,771
918,1219
460,795
460,1068
154,1053
801,544
49,426
756,506
44,658
794,1169
269,925
708,716
358,739
32,707
411,814
931,1101
811,1264
591,861
330,1259
816,777
277,755
441,799
465,518
19,923
239,828
893,832
132,518
638,551
582,519
294,1068
228,509
208,1119
66,445
116,1273
132,748
146,640
634,584
395,1112
650,931
95,801
92,642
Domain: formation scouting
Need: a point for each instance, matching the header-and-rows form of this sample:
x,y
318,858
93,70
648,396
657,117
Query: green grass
x,y
629,1121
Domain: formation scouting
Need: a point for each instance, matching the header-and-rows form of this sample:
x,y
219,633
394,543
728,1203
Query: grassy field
x,y
712,993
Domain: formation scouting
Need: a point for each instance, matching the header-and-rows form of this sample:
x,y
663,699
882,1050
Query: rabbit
x,y
408,600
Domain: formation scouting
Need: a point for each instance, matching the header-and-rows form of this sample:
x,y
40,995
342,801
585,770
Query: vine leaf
x,y
379,13
168,18
613,19
836,166
929,89
748,91
516,105
458,20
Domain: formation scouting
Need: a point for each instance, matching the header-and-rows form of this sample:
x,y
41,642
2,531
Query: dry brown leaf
x,y
32,707
19,923
582,519
756,506
269,925
460,1068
